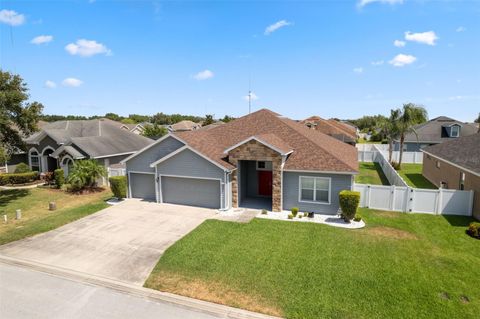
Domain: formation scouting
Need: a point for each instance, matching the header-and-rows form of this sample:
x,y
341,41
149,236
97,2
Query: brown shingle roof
x,y
312,150
463,151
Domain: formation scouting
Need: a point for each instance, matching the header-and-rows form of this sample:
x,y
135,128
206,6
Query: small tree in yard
x,y
410,116
349,202
85,173
389,128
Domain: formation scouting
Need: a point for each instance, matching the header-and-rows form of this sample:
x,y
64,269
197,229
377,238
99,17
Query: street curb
x,y
218,310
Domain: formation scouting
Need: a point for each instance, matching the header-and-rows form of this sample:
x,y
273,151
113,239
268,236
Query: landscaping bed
x,y
36,218
399,266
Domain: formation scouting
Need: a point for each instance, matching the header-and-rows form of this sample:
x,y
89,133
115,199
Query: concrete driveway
x,y
122,242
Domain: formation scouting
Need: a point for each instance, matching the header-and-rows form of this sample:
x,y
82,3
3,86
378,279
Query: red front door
x,y
265,183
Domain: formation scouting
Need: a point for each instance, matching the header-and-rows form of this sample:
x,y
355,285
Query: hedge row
x,y
118,184
22,178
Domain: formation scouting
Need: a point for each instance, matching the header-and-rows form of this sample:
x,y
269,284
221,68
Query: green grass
x,y
399,266
412,175
371,173
36,218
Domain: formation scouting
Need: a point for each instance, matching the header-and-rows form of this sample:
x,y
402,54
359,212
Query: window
x,y
454,131
462,181
34,161
314,189
264,166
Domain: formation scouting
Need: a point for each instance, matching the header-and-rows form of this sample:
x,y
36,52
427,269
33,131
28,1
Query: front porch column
x,y
235,186
276,185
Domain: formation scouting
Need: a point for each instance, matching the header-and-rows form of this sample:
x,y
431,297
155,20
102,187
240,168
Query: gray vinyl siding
x,y
189,164
291,186
141,162
191,191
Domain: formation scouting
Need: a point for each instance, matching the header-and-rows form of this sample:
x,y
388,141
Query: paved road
x,y
26,293
123,242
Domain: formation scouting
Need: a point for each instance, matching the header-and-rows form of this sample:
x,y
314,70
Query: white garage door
x,y
191,191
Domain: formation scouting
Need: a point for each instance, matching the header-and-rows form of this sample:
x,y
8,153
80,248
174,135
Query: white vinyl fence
x,y
116,171
365,154
406,199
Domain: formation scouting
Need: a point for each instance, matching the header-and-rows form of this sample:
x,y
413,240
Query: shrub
x,y
118,185
290,216
85,174
264,212
357,217
294,211
22,178
474,230
59,177
22,168
349,202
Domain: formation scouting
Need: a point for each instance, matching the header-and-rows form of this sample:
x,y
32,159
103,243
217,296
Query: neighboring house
x,y
261,160
455,165
134,128
435,131
333,128
183,126
60,143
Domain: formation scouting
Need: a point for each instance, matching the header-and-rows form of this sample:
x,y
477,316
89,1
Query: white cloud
x,y
399,44
203,75
87,48
377,63
277,25
72,82
50,84
11,17
358,70
428,37
253,96
42,39
363,3
461,29
402,59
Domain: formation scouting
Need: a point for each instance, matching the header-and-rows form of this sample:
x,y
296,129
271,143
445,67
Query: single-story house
x,y
59,144
438,130
261,160
455,165
333,128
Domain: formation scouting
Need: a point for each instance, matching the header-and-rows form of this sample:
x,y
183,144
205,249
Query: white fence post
x,y
470,204
438,211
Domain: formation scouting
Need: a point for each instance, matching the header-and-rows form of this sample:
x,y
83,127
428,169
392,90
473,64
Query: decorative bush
x,y
290,216
22,168
22,178
264,212
357,217
85,173
474,230
48,177
59,177
349,202
294,211
118,185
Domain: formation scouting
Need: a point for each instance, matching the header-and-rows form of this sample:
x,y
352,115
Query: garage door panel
x,y
191,191
142,186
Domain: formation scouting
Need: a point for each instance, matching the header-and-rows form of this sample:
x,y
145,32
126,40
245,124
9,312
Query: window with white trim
x,y
264,166
314,189
34,161
454,131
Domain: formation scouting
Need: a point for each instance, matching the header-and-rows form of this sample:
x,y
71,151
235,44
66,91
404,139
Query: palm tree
x,y
85,173
389,128
410,116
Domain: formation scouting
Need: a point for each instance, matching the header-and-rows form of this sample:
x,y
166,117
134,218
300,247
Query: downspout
x,y
284,158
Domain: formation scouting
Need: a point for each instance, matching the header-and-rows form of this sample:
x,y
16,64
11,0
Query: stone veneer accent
x,y
255,151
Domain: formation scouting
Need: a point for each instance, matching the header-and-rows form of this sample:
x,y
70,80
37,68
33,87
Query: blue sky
x,y
329,58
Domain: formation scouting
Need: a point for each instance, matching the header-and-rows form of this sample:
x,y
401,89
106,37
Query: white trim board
x,y
259,141
111,155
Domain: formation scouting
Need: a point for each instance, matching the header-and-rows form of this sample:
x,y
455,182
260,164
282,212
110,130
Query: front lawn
x,y
371,173
36,218
412,175
399,266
